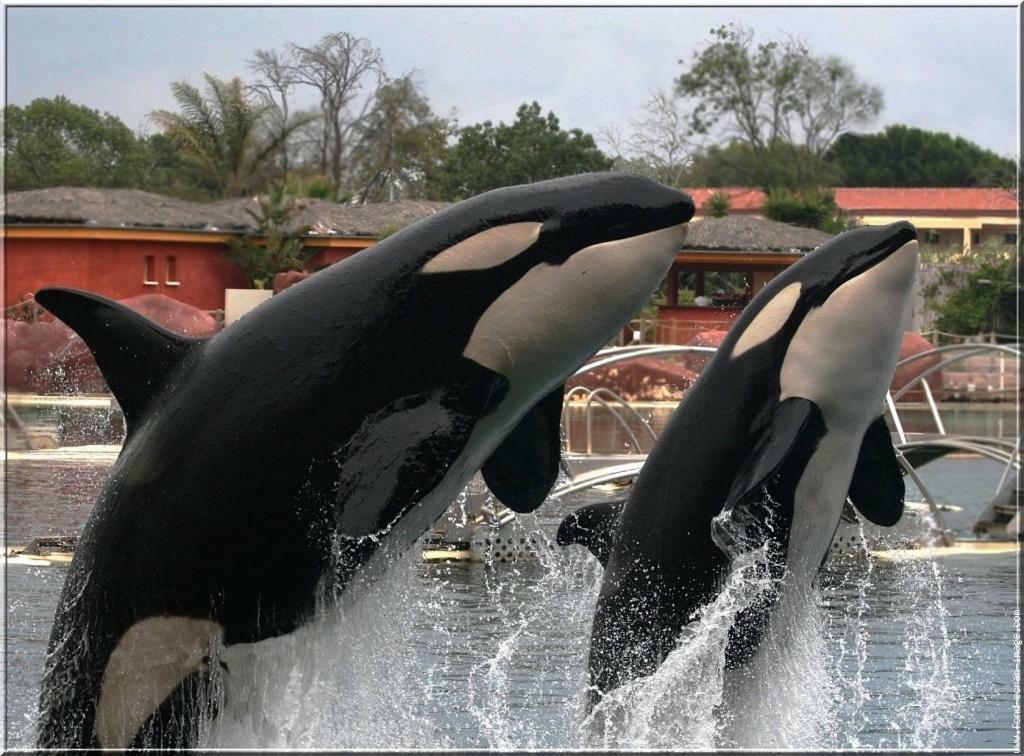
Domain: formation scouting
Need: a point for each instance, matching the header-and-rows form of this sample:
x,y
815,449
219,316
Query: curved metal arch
x,y
628,353
1011,348
952,443
597,477
970,350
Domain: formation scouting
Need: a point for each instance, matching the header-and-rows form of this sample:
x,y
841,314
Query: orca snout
x,y
601,207
870,247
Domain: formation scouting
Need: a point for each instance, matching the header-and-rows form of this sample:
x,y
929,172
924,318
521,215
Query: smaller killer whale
x,y
307,445
782,426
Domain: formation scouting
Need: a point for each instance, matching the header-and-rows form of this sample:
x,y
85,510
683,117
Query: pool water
x,y
910,655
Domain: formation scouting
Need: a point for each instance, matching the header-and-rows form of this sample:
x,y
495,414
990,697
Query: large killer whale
x,y
269,466
783,425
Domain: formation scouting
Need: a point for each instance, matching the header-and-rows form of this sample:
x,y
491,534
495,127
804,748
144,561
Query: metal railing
x,y
964,351
602,396
599,395
1001,450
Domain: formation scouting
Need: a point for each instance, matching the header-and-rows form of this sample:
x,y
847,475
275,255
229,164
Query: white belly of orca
x,y
818,502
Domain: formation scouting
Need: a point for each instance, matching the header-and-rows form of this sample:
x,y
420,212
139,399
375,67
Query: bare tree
x,y
659,142
339,67
274,90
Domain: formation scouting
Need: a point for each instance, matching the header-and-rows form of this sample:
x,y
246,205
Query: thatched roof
x,y
132,208
111,208
744,233
365,220
323,218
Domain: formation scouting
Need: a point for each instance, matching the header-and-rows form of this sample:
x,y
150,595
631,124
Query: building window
x,y
976,238
1010,239
172,271
149,279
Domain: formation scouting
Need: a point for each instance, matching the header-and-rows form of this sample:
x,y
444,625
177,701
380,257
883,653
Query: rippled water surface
x,y
909,655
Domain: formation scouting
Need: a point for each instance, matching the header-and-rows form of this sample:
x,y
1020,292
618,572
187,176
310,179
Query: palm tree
x,y
219,132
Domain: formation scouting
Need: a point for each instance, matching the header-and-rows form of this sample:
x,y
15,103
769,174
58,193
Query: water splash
x,y
341,682
494,656
676,705
888,623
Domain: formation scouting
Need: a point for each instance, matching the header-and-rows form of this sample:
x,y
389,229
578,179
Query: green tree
x,y
219,134
784,105
54,142
532,148
164,170
976,290
736,164
906,156
401,142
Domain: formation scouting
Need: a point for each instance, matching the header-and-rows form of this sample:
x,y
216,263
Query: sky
x,y
940,68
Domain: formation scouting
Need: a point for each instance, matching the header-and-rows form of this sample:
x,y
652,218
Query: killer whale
x,y
782,426
269,466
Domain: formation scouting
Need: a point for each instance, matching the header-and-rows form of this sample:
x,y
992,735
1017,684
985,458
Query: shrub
x,y
278,249
717,205
812,208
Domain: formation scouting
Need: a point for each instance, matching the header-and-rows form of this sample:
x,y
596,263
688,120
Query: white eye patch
x,y
485,250
768,322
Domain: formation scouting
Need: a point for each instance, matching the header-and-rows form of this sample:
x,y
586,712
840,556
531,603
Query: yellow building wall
x,y
965,231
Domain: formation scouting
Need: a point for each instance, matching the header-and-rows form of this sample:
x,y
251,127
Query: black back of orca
x,y
257,460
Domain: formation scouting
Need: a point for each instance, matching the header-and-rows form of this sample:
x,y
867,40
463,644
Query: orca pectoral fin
x,y
402,452
135,355
794,429
523,469
877,489
594,527
789,421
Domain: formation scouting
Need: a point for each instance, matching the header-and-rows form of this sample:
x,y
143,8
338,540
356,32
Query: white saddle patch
x,y
150,661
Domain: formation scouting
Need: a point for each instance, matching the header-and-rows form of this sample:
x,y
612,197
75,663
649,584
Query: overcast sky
x,y
948,69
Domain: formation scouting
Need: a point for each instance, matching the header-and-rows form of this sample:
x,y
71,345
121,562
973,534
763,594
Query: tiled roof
x,y
963,199
884,200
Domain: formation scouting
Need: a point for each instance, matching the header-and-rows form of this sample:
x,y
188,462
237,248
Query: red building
x,y
126,242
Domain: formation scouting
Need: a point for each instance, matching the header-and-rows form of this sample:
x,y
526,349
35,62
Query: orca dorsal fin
x,y
523,469
135,355
877,489
592,526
